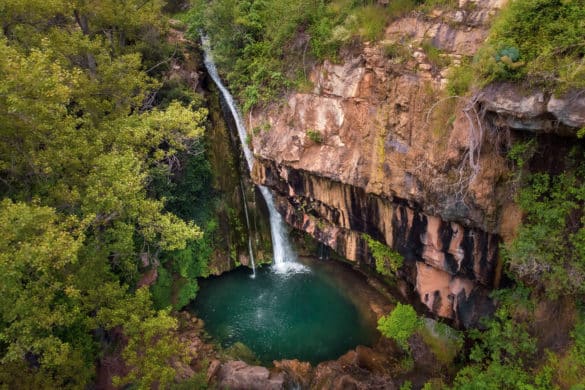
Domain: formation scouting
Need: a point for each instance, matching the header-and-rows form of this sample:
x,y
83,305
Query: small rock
x,y
299,372
436,13
238,375
419,55
569,109
183,371
459,17
212,369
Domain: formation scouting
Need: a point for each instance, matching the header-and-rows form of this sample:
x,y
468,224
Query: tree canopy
x,y
79,145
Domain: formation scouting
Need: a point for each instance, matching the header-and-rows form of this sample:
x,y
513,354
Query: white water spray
x,y
284,257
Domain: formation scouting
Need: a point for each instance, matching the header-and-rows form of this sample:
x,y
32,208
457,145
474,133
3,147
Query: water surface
x,y
307,316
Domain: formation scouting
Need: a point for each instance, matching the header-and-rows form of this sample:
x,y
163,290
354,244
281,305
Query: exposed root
x,y
470,162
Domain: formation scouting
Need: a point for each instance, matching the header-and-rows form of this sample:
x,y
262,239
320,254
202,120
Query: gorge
x,y
371,148
320,194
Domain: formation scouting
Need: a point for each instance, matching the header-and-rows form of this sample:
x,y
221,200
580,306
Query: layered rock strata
x,y
377,147
448,260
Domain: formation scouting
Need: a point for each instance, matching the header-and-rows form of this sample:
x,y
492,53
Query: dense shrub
x,y
549,250
387,260
541,40
400,324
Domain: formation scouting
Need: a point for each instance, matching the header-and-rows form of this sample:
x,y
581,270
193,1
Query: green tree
x,y
400,324
79,145
504,351
39,301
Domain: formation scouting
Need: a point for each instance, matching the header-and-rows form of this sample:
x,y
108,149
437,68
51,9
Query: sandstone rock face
x,y
569,109
384,168
361,369
395,159
300,373
239,375
533,110
450,259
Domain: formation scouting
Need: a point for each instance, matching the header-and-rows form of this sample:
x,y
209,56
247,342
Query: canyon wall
x,y
375,147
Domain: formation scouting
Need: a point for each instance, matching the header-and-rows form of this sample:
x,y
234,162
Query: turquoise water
x,y
305,316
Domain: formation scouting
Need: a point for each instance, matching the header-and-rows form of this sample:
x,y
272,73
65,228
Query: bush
x,y
371,21
549,250
460,79
569,369
387,260
396,51
400,324
162,290
434,55
541,40
315,136
501,353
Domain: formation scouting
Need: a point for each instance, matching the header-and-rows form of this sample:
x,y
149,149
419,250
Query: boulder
x,y
238,375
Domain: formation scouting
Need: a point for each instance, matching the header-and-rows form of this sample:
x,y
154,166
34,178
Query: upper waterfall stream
x,y
284,256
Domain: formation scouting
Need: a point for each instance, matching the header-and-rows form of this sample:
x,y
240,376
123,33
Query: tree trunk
x,y
84,25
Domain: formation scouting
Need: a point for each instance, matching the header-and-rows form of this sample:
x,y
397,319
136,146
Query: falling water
x,y
249,230
284,257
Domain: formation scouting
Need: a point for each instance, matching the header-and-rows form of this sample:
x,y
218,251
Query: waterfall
x,y
284,256
250,251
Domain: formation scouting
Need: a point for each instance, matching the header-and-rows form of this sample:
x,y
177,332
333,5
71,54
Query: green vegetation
x,y
521,152
502,353
546,257
537,40
434,55
315,136
387,260
403,323
568,370
396,52
444,341
104,176
262,54
83,157
549,251
460,78
400,324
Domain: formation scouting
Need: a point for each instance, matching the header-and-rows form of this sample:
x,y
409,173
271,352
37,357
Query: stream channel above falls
x,y
312,316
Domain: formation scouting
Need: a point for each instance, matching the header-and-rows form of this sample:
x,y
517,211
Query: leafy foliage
x,y
434,54
502,352
569,369
80,145
400,324
549,251
315,136
540,40
460,78
387,260
263,54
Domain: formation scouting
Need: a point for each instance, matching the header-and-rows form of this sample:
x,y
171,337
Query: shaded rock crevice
x,y
449,260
